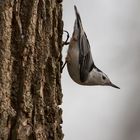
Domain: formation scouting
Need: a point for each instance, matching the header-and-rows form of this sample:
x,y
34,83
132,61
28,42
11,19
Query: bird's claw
x,y
66,41
63,66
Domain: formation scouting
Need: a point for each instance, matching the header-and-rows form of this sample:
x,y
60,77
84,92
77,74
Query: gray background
x,y
105,113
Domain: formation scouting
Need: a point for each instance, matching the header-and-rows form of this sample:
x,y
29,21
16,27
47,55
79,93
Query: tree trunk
x,y
30,61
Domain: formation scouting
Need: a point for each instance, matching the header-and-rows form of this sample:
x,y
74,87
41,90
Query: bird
x,y
79,60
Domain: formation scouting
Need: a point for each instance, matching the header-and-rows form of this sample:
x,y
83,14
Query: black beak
x,y
111,84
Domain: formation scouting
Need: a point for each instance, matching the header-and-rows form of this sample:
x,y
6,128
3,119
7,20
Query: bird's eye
x,y
103,77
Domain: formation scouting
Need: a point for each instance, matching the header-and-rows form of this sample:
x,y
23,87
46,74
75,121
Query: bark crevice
x,y
30,61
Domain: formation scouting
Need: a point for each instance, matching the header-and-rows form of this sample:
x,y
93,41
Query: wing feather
x,y
85,58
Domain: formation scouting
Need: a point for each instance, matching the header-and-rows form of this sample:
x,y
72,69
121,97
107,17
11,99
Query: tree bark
x,y
30,62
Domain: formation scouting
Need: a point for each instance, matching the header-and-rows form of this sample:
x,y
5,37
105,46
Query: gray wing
x,y
85,58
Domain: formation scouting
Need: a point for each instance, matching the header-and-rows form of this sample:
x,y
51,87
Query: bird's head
x,y
106,81
100,78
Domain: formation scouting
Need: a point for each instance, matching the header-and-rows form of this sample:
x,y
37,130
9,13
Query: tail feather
x,y
78,19
77,14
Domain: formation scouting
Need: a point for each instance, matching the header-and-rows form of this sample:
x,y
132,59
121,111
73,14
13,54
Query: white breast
x,y
73,62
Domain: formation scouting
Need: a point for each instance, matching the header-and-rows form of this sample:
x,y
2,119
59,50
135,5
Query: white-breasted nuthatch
x,y
79,60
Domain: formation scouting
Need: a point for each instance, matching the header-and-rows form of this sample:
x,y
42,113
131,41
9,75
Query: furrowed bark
x,y
30,64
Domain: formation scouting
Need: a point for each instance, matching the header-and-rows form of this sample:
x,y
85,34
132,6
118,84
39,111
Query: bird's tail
x,y
78,22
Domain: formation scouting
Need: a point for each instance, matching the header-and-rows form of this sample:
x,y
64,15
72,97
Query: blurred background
x,y
105,113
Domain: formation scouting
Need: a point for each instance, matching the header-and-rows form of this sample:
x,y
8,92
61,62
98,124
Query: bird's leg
x,y
63,66
66,41
66,61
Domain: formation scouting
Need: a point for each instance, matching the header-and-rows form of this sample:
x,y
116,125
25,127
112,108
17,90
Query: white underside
x,y
74,69
73,63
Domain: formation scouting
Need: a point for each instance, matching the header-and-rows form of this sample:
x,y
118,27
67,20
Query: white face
x,y
99,78
104,79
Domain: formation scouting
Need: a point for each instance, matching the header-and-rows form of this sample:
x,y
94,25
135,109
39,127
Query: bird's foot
x,y
63,66
66,41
